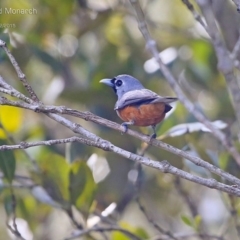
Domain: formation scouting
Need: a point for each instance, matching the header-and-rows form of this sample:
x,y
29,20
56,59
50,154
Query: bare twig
x,y
28,186
163,166
96,141
187,199
190,236
87,116
234,214
151,45
236,48
155,225
14,232
91,117
20,74
225,63
14,228
237,3
191,205
196,15
103,229
74,221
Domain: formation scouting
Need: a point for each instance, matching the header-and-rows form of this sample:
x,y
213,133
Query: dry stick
x,y
225,62
104,229
14,229
156,143
20,74
191,236
155,225
190,203
50,110
151,45
14,232
162,166
237,3
196,15
187,198
236,49
234,214
166,167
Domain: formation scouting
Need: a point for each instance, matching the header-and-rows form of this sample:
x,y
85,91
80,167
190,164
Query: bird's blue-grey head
x,y
122,84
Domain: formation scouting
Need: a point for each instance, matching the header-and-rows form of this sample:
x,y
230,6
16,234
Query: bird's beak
x,y
107,81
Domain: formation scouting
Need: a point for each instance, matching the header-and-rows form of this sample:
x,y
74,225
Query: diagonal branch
x,y
162,166
103,229
94,140
237,3
151,45
196,15
225,62
20,74
52,112
153,223
236,49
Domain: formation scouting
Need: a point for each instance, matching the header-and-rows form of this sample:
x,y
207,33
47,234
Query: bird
x,y
137,105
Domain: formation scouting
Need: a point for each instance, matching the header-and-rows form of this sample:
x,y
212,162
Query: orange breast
x,y
144,115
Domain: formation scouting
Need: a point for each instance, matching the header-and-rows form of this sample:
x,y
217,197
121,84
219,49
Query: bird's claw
x,y
125,128
153,136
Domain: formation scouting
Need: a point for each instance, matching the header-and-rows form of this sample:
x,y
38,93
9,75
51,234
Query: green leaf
x,y
138,231
54,177
81,186
119,236
187,220
223,160
11,120
7,163
8,204
197,222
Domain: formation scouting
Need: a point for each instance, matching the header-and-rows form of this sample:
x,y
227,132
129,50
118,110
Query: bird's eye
x,y
118,83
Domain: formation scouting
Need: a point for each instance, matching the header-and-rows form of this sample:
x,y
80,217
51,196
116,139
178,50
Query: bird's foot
x,y
125,126
153,136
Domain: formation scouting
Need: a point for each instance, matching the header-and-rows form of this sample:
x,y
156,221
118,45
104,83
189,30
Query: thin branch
x,y
196,15
155,225
234,215
14,229
28,186
69,212
190,236
14,232
9,90
187,199
225,63
103,229
192,205
79,129
236,48
94,140
20,74
12,141
237,3
49,110
163,166
151,45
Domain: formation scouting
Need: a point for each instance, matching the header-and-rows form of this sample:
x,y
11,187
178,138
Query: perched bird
x,y
137,105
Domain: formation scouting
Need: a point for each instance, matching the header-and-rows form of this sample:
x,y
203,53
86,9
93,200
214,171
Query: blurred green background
x,y
65,48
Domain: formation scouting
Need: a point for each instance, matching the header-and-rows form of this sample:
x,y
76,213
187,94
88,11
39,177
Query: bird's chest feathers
x,y
143,115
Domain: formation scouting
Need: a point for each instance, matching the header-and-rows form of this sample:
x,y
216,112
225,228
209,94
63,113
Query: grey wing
x,y
142,96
